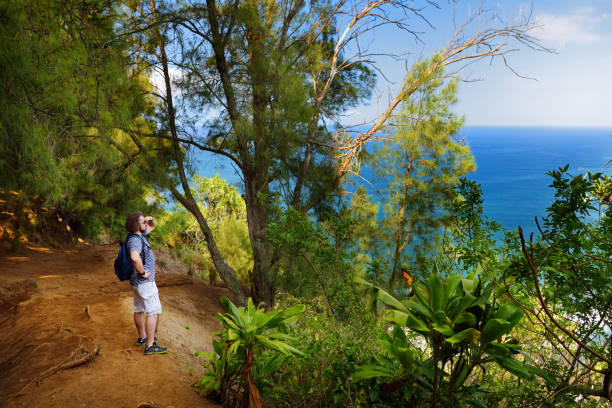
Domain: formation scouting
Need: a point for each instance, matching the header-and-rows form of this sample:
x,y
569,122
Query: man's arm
x,y
138,266
151,224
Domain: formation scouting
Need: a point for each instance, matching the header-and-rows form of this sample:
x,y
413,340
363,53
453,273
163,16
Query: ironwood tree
x,y
266,85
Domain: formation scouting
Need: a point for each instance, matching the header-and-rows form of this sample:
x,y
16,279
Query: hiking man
x,y
146,297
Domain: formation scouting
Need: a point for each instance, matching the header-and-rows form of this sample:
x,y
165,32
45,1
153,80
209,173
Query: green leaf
x,y
464,370
218,347
384,296
544,374
516,367
443,328
372,371
418,307
407,320
225,302
233,348
470,334
293,311
278,346
466,318
228,322
421,294
436,292
440,317
453,306
467,285
208,356
466,302
451,286
498,349
494,329
510,312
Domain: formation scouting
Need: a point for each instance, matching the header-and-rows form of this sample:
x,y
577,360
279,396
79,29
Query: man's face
x,y
142,225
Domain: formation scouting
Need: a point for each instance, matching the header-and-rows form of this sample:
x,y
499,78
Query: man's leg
x,y
139,321
151,323
153,309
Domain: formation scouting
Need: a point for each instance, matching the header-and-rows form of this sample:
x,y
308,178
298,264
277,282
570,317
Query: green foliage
x,y
573,253
420,165
318,258
573,270
247,332
400,358
217,199
463,328
66,95
366,232
602,191
469,241
252,327
332,350
225,212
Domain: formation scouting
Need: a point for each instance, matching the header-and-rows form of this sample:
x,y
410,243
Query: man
x,y
146,297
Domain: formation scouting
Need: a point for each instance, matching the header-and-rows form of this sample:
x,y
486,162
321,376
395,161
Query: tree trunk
x,y
227,273
255,400
262,288
256,177
399,236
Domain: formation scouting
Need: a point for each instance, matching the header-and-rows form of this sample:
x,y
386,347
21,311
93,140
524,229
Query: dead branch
x,y
485,42
531,263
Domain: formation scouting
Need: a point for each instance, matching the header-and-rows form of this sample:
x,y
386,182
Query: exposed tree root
x,y
148,404
70,362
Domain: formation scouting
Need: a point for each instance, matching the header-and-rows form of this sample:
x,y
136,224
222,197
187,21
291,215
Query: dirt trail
x,y
63,308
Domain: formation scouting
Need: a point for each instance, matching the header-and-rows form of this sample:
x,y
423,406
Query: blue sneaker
x,y
142,340
155,349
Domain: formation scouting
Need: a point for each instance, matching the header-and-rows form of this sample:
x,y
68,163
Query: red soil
x,y
67,337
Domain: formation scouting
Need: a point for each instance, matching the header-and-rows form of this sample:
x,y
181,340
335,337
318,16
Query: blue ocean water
x,y
511,166
512,163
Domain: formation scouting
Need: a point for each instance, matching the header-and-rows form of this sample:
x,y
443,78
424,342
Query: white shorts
x,y
146,299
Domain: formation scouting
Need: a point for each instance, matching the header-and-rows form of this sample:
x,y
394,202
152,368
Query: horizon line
x,y
607,127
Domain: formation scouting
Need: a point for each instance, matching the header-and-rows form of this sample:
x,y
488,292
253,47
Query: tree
x,y
420,167
561,281
272,76
568,272
247,331
66,91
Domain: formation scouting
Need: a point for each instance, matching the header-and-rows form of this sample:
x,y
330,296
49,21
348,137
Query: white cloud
x,y
579,28
158,82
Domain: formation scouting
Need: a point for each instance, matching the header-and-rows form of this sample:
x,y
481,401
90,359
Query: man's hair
x,y
131,222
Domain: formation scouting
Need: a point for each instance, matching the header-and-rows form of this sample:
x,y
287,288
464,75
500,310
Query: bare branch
x,y
530,262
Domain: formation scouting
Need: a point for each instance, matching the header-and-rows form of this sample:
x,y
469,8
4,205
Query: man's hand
x,y
145,275
151,224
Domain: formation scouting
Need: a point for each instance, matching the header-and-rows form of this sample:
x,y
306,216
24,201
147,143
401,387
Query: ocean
x,y
511,166
512,163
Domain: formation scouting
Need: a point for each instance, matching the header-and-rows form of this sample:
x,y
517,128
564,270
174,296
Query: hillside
x,y
67,337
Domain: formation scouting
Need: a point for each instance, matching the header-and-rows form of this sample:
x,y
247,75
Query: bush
x,y
333,349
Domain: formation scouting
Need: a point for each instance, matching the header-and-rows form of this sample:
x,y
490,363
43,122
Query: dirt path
x,y
59,308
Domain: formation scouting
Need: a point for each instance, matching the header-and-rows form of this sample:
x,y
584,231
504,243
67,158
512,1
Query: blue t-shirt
x,y
134,243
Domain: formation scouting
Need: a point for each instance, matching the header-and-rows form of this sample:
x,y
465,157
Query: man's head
x,y
135,223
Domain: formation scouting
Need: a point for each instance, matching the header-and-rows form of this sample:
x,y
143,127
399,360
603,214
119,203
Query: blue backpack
x,y
123,264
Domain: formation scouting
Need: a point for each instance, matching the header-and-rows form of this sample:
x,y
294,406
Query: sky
x,y
572,85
